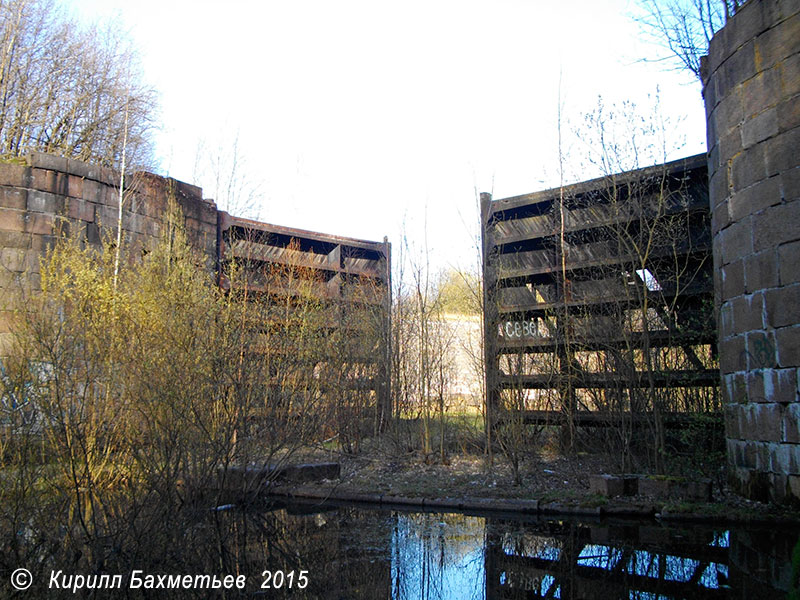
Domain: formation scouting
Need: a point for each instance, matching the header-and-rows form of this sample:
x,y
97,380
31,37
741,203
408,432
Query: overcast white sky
x,y
360,115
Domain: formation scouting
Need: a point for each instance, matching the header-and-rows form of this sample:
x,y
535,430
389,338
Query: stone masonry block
x,y
762,126
92,233
14,175
763,421
154,228
717,52
791,183
40,244
726,317
48,181
755,198
736,241
781,151
789,114
208,213
14,239
789,262
92,191
783,306
760,350
790,68
75,186
102,175
747,313
747,24
716,276
760,271
606,485
791,423
713,161
45,202
40,223
780,385
793,486
155,207
110,196
784,458
748,167
709,91
135,203
739,67
80,209
15,198
777,487
734,388
742,452
733,279
52,162
775,43
720,217
12,220
730,113
771,385
776,225
718,188
12,259
787,340
730,150
762,455
732,355
760,92
732,421
754,381
106,216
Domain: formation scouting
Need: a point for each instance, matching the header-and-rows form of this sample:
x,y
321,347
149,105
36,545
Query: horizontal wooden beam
x,y
606,380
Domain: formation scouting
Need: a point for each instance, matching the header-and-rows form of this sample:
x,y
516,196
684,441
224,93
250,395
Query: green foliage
x,y
141,389
459,292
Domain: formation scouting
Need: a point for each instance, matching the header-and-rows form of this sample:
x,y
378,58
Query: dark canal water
x,y
346,552
353,552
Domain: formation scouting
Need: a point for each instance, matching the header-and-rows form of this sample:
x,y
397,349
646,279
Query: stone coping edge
x,y
508,505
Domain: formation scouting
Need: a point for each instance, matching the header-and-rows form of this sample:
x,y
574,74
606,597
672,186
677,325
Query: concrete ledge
x,y
664,489
614,485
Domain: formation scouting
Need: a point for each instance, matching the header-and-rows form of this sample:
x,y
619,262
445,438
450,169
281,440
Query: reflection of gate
x,y
350,278
559,559
599,296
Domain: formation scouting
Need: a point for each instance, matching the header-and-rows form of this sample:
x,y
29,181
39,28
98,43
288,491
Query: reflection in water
x,y
362,553
437,556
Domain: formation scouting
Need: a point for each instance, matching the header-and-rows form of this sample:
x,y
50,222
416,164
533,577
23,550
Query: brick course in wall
x,y
752,97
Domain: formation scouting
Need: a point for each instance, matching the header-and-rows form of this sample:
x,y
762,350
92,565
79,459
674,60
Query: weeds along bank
x,y
131,379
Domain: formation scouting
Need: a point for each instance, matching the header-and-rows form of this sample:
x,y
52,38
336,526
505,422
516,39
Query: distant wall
x,y
752,82
49,191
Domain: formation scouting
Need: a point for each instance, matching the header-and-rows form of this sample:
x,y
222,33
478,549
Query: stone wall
x,y
48,192
751,87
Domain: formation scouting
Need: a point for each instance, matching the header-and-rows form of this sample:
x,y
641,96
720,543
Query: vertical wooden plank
x,y
223,224
490,314
385,400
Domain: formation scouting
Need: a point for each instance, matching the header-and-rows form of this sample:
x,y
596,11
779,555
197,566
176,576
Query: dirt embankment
x,y
554,485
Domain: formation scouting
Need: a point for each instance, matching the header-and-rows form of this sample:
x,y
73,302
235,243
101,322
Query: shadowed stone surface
x,y
752,94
